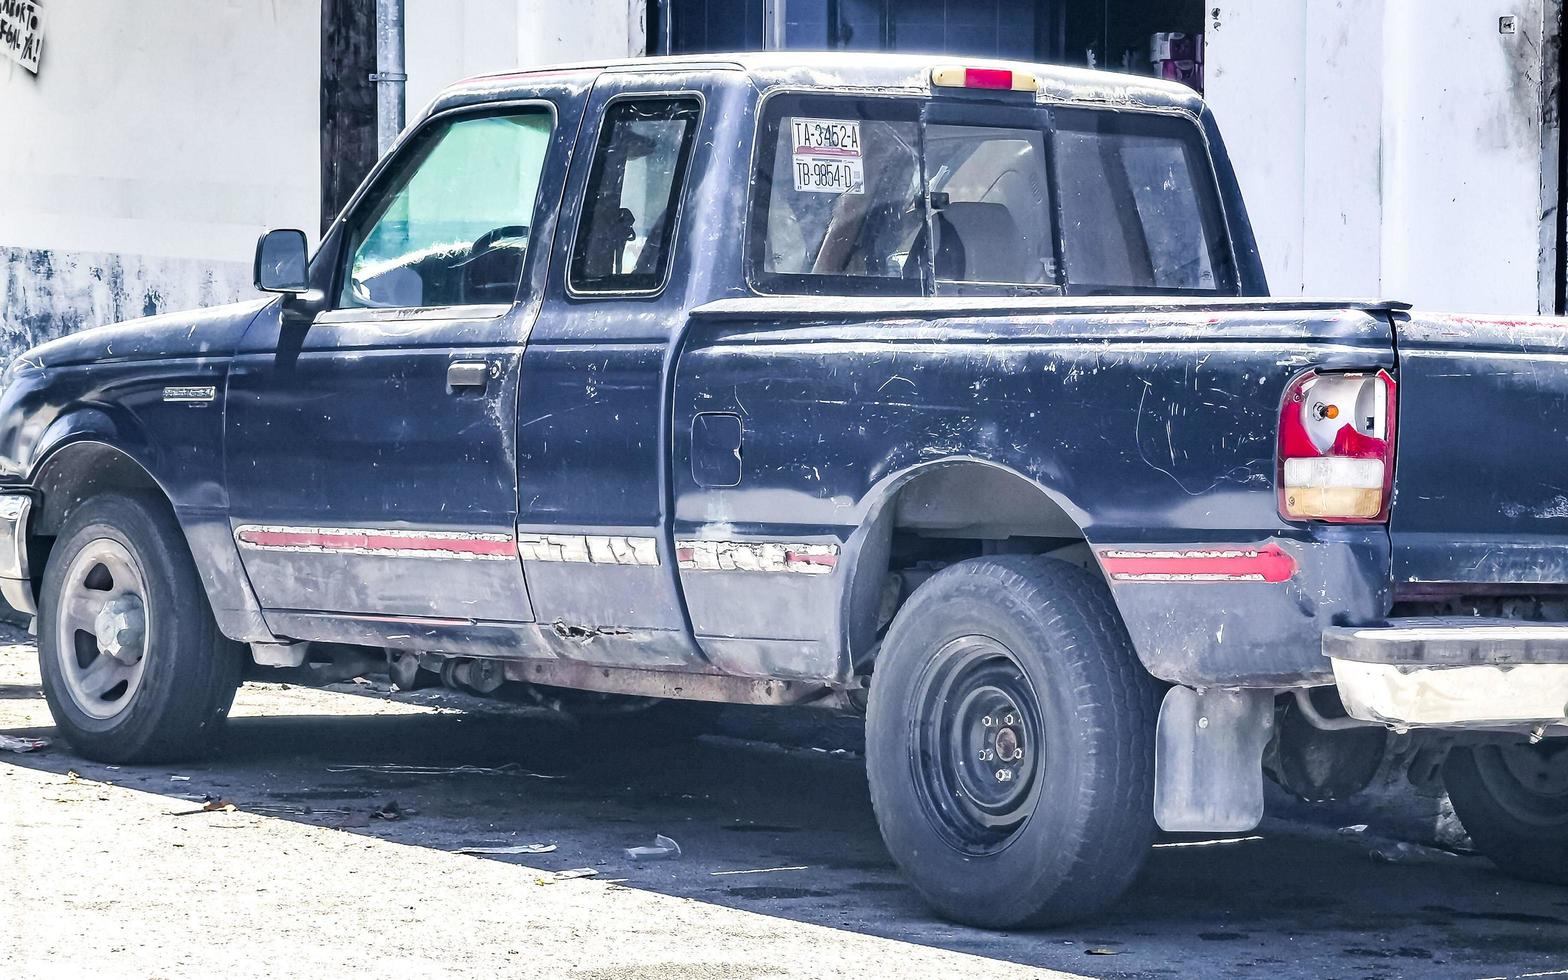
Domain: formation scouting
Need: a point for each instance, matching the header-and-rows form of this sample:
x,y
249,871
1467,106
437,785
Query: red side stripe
x,y
1270,563
372,541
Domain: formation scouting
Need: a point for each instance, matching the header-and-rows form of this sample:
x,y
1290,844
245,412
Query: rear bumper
x,y
15,583
1452,673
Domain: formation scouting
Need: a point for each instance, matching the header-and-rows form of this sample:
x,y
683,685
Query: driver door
x,y
371,451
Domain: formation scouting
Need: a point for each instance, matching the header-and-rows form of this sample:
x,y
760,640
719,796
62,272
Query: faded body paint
x,y
356,485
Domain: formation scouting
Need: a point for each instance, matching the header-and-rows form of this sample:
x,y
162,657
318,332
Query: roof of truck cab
x,y
861,71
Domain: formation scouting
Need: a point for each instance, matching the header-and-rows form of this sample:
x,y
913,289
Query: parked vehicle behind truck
x,y
951,393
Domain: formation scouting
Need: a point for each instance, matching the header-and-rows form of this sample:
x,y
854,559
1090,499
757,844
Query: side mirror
x,y
281,262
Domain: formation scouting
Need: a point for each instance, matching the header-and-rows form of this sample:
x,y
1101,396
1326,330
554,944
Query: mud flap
x,y
1208,760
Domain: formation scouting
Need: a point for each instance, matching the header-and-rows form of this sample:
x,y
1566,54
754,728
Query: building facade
x,y
1404,148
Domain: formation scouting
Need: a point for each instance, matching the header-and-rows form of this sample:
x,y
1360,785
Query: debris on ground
x,y
18,743
567,875
1353,830
213,804
1404,852
394,769
390,810
1102,951
179,779
661,849
758,871
282,809
512,849
71,775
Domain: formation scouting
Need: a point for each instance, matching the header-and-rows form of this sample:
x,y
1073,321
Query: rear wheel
x,y
1010,744
1513,801
133,665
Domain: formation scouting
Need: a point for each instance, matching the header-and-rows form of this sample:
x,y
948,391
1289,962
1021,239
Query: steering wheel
x,y
495,264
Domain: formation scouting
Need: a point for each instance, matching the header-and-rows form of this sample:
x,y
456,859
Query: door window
x,y
452,226
624,238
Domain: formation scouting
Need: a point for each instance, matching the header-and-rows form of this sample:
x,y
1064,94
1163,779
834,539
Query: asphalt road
x,y
122,872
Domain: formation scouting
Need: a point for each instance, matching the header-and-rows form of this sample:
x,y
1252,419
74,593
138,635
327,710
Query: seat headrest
x,y
979,242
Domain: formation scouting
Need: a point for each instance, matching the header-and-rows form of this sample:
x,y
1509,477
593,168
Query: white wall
x,y
1392,147
153,146
161,137
448,40
178,128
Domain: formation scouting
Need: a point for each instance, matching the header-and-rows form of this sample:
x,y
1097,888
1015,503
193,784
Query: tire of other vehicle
x,y
133,665
1010,744
1513,801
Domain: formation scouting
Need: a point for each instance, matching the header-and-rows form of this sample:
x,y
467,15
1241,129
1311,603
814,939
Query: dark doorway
x,y
1114,34
348,101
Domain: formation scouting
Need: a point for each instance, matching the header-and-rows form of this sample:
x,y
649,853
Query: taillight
x,y
1006,79
1336,447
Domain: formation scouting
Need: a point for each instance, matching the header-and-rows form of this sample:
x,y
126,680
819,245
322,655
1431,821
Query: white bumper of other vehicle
x,y
1453,673
14,583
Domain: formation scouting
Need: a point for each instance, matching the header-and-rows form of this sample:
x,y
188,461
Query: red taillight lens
x,y
1336,447
1004,79
988,78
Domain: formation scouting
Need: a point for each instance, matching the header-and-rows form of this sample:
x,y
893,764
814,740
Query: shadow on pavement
x,y
789,832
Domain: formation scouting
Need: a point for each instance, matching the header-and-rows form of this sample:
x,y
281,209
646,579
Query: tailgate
x,y
1481,477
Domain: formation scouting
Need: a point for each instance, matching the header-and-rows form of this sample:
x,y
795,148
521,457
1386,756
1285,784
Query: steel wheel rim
x,y
1530,782
979,745
101,628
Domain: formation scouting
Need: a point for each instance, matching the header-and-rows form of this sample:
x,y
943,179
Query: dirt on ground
x,y
326,836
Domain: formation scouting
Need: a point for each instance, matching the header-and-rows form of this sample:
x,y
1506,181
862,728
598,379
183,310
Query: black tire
x,y
188,670
1513,801
1080,821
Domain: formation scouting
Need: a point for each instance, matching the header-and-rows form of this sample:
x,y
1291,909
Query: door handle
x,y
467,374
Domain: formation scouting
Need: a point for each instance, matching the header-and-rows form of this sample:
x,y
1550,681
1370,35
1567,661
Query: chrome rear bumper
x,y
1452,673
15,583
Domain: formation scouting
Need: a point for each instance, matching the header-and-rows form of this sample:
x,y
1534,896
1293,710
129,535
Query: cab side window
x,y
451,228
625,235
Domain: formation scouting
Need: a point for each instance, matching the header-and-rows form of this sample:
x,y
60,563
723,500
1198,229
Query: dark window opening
x,y
1116,34
348,101
625,236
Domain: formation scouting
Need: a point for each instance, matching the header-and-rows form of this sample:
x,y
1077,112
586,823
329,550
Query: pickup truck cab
x,y
951,393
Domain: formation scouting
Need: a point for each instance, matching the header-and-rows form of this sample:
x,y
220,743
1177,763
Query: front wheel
x,y
133,665
1513,801
1010,744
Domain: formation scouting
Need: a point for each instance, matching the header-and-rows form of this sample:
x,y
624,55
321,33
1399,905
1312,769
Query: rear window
x,y
838,191
1138,210
861,195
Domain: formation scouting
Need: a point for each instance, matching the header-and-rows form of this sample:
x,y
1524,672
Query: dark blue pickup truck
x,y
949,393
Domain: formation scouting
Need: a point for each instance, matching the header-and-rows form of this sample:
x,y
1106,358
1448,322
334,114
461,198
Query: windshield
x,y
858,195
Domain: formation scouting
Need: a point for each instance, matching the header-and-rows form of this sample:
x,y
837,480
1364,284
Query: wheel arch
x,y
956,507
76,469
84,464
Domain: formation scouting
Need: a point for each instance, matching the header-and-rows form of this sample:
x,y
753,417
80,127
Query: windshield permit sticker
x,y
827,156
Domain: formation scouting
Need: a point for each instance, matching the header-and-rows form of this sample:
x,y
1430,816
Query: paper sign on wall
x,y
826,156
22,32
